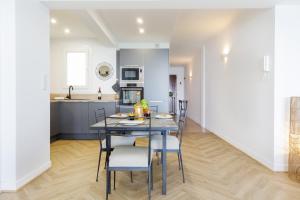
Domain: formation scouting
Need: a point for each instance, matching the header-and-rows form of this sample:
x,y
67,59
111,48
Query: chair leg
x,y
99,160
179,164
149,184
157,155
151,176
105,160
182,170
114,180
107,187
131,176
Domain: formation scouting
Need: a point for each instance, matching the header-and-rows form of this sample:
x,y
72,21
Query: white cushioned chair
x,y
131,158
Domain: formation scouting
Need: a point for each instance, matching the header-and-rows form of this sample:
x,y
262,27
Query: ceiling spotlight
x,y
53,21
139,20
141,30
67,31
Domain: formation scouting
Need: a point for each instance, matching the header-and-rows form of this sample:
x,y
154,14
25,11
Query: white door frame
x,y
202,88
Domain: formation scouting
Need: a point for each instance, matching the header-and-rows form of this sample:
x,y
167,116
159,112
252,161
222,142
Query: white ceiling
x,y
185,24
158,24
163,4
80,25
184,30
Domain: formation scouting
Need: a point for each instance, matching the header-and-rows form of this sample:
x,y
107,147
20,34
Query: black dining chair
x,y
174,141
183,106
116,141
131,158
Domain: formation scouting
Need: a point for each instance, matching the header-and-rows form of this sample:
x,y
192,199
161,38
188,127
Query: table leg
x,y
108,149
164,163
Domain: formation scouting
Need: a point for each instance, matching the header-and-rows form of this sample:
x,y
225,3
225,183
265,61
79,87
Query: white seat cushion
x,y
129,156
119,141
172,142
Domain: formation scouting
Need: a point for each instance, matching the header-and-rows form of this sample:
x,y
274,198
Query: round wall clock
x,y
104,71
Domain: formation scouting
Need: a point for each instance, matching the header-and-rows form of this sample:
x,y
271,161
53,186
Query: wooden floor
x,y
214,171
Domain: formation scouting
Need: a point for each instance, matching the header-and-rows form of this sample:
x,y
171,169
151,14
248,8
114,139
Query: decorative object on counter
x,y
99,94
116,86
104,71
294,140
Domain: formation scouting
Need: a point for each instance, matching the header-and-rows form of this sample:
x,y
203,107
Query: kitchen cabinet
x,y
54,119
156,73
71,120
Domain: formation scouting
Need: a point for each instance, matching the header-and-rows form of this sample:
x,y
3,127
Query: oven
x,y
131,95
131,74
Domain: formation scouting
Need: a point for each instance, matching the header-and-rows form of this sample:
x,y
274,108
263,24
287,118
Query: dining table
x,y
114,127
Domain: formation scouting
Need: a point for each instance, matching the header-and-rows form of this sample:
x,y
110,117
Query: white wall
x,y
239,98
7,96
193,87
179,72
287,80
97,54
25,148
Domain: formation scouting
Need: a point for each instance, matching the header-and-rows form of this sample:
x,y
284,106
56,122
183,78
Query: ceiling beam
x,y
98,25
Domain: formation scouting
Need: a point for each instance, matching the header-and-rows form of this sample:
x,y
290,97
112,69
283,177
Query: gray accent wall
x,y
156,69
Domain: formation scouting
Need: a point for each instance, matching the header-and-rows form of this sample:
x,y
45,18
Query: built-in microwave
x,y
131,74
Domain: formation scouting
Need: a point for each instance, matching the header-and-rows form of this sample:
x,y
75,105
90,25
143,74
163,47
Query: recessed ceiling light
x,y
53,21
139,20
141,30
67,31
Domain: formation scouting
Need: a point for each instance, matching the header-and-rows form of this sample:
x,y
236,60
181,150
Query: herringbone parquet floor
x,y
214,171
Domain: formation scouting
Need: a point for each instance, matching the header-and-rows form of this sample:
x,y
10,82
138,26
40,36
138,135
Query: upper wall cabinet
x,y
131,57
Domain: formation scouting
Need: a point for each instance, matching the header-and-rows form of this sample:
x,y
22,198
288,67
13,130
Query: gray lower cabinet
x,y
74,117
71,120
54,119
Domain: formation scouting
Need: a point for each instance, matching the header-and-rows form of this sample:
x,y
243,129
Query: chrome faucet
x,y
69,95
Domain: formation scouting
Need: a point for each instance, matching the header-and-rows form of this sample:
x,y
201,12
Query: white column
x,y
7,96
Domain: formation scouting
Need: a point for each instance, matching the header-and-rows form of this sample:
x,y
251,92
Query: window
x,y
77,64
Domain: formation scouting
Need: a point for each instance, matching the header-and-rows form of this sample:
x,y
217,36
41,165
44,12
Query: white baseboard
x,y
32,175
280,167
250,152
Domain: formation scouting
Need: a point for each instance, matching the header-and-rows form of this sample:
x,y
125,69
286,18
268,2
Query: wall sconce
x,y
267,67
225,54
190,75
225,59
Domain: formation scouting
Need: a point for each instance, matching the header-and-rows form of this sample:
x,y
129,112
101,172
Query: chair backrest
x,y
153,108
100,115
180,131
183,105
